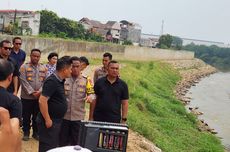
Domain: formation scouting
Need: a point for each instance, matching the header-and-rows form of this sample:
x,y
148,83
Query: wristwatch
x,y
124,119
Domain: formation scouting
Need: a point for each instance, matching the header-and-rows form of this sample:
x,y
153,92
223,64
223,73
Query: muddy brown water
x,y
212,96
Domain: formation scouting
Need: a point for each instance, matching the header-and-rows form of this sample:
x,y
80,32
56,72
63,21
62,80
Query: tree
x,y
48,22
165,41
177,42
52,25
214,55
93,37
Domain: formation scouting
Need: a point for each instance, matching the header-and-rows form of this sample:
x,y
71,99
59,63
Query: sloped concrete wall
x,y
143,53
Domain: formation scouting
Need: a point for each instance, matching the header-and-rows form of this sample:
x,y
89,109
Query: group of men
x,y
54,95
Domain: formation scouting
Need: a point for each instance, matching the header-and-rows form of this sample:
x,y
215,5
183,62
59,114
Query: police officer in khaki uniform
x,y
102,71
78,90
32,77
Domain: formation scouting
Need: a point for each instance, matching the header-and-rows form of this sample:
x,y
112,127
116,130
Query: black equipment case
x,y
103,136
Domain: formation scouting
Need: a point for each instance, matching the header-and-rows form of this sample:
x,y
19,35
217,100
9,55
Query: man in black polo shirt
x,y
17,53
11,111
7,100
53,105
112,96
5,49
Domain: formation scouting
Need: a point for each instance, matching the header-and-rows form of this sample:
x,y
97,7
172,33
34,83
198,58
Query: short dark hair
x,y
16,38
75,58
52,54
4,41
63,62
84,60
33,50
107,54
112,61
6,68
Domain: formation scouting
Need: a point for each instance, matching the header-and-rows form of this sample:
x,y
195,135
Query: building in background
x,y
94,26
19,22
149,40
113,31
109,31
130,32
113,34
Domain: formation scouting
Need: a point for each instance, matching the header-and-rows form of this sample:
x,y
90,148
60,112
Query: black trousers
x,y
30,110
69,133
48,137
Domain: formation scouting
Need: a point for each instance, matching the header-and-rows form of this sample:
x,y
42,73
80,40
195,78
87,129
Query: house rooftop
x,y
94,23
19,11
110,23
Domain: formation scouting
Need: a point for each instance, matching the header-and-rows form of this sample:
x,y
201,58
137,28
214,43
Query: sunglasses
x,y
7,48
18,43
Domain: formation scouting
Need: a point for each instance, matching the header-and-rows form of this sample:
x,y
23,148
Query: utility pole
x,y
15,14
14,25
162,28
3,24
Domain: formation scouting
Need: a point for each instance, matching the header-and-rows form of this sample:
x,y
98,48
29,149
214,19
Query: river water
x,y
212,96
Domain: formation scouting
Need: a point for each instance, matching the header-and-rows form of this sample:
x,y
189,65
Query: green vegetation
x,y
155,113
165,41
170,42
177,42
213,55
53,26
127,42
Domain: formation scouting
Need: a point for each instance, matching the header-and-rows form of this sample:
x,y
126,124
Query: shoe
x,y
35,136
26,137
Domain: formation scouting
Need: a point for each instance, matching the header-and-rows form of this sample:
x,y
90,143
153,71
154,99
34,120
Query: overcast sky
x,y
197,19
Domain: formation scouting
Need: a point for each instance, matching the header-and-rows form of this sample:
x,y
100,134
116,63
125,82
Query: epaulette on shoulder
x,y
84,76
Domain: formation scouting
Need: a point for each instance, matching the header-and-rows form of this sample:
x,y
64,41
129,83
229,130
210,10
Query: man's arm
x,y
91,109
124,112
10,139
16,109
24,57
15,76
95,76
44,110
38,93
15,82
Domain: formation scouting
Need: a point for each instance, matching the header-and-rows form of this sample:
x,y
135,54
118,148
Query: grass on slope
x,y
155,113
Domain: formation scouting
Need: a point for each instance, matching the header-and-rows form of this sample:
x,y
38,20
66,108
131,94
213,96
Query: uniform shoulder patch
x,y
22,69
84,75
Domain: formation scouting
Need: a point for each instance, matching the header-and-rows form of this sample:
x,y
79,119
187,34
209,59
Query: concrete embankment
x,y
95,50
